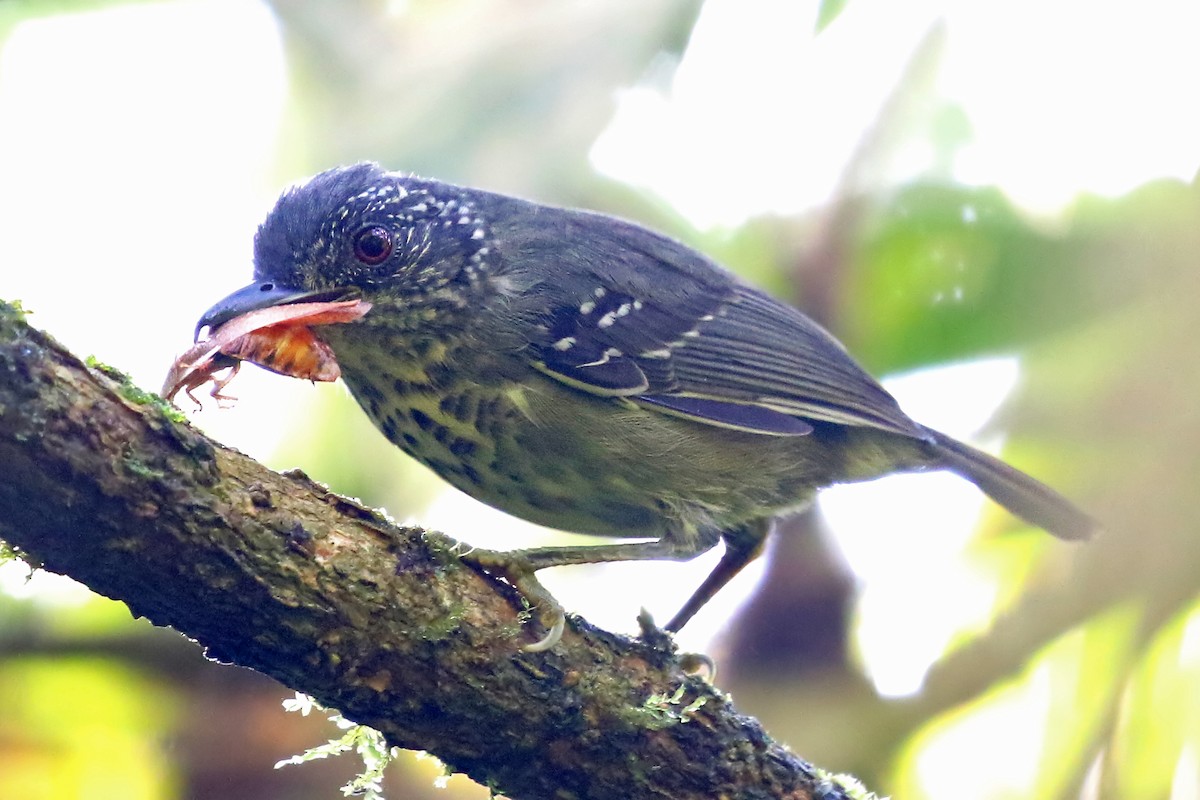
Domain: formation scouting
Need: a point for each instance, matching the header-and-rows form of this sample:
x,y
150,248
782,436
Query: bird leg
x,y
519,568
742,545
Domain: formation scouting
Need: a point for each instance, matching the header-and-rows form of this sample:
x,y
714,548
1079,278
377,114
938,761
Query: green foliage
x,y
369,743
89,726
1155,728
945,273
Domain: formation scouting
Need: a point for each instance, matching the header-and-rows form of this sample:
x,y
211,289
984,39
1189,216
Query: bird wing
x,y
663,327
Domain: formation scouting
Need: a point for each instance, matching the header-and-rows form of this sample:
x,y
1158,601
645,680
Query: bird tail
x,y
1030,499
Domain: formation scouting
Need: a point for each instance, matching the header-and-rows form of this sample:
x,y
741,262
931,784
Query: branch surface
x,y
105,483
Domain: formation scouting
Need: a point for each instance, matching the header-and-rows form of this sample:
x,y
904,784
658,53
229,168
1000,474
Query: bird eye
x,y
373,245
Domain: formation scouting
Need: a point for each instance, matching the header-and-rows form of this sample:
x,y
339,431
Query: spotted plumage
x,y
588,374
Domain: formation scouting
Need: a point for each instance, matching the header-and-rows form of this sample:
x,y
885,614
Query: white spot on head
x,y
478,234
637,305
607,320
599,292
565,343
587,307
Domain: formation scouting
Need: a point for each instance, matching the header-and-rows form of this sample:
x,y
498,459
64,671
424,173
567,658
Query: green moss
x,y
13,310
662,710
445,625
657,712
440,547
369,743
168,410
515,630
136,467
10,553
134,393
12,316
112,372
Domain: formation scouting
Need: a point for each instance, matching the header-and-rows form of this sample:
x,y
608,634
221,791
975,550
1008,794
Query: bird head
x,y
414,248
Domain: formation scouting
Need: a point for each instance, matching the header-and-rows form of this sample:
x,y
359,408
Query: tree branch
x,y
106,484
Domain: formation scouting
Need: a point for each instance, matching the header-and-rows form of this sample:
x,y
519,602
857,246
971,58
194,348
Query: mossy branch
x,y
273,572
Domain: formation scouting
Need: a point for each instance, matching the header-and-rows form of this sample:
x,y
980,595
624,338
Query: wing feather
x,y
634,314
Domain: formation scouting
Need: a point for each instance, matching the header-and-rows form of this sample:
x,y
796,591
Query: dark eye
x,y
373,245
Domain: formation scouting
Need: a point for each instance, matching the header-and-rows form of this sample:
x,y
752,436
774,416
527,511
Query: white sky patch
x,y
999,745
903,536
137,148
1185,781
51,589
608,595
1062,97
760,116
1070,95
1189,647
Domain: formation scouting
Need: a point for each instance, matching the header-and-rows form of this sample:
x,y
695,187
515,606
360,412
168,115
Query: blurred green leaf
x,y
946,273
1155,725
83,728
828,11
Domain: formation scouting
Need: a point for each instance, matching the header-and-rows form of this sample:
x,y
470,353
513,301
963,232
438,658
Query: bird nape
x,y
585,373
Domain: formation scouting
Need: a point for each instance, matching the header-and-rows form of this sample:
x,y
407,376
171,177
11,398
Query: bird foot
x,y
522,576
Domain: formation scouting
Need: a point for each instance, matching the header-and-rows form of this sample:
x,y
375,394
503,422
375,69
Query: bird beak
x,y
264,294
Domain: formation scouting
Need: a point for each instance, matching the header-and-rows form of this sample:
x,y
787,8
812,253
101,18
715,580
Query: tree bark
x,y
107,484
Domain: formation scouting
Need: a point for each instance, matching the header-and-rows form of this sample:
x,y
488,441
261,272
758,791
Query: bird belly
x,y
602,466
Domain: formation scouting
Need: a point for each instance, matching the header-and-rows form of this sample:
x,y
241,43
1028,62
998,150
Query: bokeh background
x,y
994,203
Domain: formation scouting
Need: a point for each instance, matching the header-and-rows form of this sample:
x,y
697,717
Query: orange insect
x,y
278,338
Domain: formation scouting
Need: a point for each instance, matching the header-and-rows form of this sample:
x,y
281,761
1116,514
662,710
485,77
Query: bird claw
x,y
521,575
554,633
697,664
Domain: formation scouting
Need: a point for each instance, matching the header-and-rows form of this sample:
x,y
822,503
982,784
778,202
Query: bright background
x,y
994,204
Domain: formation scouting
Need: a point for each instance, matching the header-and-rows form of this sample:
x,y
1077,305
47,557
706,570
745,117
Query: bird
x,y
591,375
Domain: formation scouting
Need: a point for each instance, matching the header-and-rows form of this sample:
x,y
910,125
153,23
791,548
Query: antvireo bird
x,y
590,375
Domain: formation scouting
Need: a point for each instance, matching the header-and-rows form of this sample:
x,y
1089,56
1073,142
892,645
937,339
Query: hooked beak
x,y
263,294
